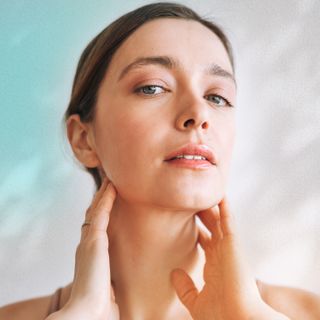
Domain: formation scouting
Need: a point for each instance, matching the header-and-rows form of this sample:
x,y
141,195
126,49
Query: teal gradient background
x,y
275,177
41,42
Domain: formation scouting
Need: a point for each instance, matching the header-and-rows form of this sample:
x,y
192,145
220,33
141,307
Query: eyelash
x,y
140,89
226,100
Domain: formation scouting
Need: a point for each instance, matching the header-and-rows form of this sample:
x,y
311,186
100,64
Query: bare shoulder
x,y
31,309
294,302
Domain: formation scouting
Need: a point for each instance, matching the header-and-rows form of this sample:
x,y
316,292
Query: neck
x,y
145,245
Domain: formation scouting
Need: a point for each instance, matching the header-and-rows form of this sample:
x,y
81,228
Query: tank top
x,y
55,301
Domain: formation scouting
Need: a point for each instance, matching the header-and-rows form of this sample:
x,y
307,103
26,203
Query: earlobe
x,y
81,144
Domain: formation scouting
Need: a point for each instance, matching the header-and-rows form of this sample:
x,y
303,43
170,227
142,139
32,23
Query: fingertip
x,y
109,185
212,211
175,271
224,208
111,188
184,287
223,202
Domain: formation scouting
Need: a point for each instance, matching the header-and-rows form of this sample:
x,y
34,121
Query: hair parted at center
x,y
97,56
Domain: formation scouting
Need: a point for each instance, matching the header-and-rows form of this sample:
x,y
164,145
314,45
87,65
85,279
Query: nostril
x,y
205,125
187,122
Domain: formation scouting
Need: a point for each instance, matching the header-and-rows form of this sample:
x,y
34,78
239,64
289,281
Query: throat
x,y
144,247
145,291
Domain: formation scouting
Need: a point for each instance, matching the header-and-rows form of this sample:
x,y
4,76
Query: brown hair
x,y
96,57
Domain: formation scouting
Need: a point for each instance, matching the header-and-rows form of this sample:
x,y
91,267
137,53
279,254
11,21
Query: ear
x,y
81,140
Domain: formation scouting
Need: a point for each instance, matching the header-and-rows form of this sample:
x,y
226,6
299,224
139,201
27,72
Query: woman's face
x,y
135,128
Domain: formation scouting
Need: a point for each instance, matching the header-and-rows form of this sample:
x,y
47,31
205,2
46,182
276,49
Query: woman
x,y
152,119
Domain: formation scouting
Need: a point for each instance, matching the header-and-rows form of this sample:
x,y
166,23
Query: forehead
x,y
189,42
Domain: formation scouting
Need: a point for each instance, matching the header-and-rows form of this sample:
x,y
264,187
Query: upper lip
x,y
193,149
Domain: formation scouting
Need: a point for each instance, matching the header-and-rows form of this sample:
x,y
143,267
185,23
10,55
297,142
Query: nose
x,y
193,116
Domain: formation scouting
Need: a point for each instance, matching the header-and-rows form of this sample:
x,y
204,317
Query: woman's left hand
x,y
230,292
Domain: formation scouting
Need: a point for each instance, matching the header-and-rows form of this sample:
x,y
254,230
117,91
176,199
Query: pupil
x,y
216,99
149,89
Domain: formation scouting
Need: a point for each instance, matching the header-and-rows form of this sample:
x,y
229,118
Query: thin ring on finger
x,y
86,223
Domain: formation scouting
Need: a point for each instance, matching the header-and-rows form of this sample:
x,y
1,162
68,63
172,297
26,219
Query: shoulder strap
x,y
55,301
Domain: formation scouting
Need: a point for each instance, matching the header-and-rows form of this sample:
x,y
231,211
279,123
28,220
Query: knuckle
x,y
188,294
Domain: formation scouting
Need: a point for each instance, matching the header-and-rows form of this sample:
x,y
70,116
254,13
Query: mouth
x,y
190,163
197,154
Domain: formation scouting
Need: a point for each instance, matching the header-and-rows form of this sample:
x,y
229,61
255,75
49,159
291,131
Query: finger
x,y
100,192
97,197
226,219
100,216
208,217
211,219
219,233
112,295
185,288
84,229
203,239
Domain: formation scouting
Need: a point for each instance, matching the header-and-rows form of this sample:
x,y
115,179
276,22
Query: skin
x,y
152,196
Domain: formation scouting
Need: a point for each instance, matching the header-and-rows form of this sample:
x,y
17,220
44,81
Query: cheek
x,y
228,144
124,142
226,139
129,133
223,137
125,154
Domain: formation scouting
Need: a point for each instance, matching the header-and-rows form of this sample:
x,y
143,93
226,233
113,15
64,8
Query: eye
x,y
218,100
150,90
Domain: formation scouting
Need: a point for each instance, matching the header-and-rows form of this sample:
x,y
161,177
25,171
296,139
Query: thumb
x,y
185,288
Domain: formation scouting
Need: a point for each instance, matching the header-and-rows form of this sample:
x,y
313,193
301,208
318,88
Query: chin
x,y
190,198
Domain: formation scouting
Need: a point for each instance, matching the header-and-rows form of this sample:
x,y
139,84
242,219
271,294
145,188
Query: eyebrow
x,y
170,63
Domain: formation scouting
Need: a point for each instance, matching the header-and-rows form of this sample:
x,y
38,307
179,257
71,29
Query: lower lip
x,y
193,164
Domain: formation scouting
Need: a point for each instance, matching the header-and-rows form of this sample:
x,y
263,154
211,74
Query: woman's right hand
x,y
92,295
